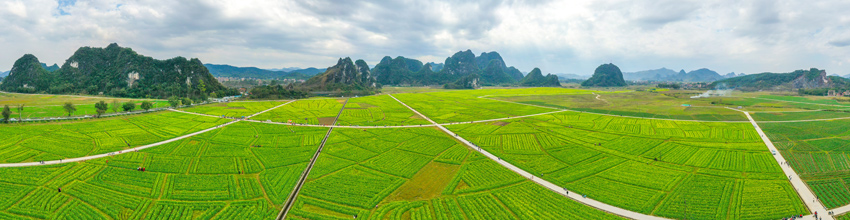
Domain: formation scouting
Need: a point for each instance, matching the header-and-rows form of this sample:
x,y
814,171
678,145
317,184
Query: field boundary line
x,y
290,200
803,191
193,113
546,184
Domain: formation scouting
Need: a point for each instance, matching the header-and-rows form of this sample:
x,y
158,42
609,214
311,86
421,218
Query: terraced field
x,y
53,141
421,173
658,167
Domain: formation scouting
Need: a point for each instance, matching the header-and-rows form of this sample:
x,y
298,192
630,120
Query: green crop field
x,y
818,151
234,109
307,111
444,107
656,161
639,104
421,173
658,167
204,177
39,105
803,115
52,141
379,110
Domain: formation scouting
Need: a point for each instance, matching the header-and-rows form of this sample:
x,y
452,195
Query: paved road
x,y
802,189
78,159
551,186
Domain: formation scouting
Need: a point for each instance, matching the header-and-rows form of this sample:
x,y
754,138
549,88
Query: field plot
x,y
818,151
378,110
203,177
805,115
307,111
52,141
639,104
43,105
234,109
659,167
444,107
355,177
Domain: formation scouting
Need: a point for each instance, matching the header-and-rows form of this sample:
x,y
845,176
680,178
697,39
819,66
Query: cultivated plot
x,y
378,110
53,141
818,152
674,169
306,111
637,104
421,173
243,171
234,109
445,107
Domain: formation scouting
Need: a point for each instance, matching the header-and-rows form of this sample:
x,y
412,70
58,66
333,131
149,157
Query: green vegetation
x,y
53,141
400,174
204,177
115,71
818,152
606,75
659,167
805,115
536,78
639,104
306,111
234,109
378,110
799,79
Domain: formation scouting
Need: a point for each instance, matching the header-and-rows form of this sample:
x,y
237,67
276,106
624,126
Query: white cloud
x,y
557,36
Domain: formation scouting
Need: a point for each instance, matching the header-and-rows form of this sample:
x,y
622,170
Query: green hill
x,y
800,79
345,77
606,75
115,71
251,72
535,78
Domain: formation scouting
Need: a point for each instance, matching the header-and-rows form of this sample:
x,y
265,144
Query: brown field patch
x,y
327,120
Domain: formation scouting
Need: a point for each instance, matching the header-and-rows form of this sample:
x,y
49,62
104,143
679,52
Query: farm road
x,y
555,188
79,159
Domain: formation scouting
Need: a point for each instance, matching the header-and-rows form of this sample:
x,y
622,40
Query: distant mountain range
x,y
800,79
4,73
223,70
668,75
114,71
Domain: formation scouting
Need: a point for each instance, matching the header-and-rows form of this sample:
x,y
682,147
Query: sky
x,y
575,36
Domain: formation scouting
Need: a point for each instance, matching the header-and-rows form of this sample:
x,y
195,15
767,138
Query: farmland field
x,y
41,105
657,161
659,164
818,151
378,110
394,174
53,141
234,109
207,176
308,111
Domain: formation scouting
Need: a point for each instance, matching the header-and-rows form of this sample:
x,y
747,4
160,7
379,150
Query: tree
x,y
20,111
101,107
187,101
6,113
115,106
129,106
174,102
69,108
146,105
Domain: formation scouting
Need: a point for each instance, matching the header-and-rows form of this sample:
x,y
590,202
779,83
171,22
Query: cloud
x,y
557,36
